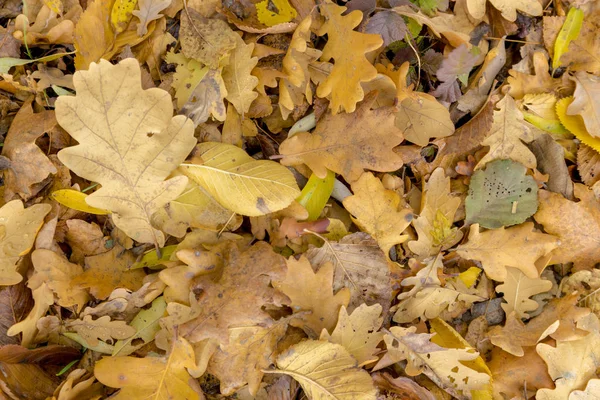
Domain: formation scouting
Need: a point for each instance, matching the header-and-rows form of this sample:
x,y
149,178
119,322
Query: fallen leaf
x,y
312,292
403,387
18,228
517,247
518,288
508,8
239,81
102,328
145,326
133,187
585,102
339,144
325,370
15,304
388,24
351,67
590,393
284,12
149,11
43,298
137,377
261,187
542,82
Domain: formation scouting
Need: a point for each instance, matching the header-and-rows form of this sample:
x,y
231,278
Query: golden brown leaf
x,y
239,81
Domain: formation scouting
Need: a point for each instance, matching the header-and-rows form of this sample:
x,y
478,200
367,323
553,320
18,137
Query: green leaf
x,y
315,194
146,327
239,182
569,32
501,195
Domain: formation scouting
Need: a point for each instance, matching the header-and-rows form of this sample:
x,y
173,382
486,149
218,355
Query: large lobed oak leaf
x,y
128,142
518,288
341,144
348,49
508,8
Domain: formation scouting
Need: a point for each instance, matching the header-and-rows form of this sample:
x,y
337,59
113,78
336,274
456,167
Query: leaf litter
x,y
299,199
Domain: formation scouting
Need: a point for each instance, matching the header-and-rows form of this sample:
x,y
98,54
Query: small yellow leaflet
x,y
76,200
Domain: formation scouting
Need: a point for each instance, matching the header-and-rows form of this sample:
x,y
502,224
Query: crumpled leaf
x,y
260,186
360,266
137,377
351,67
92,330
358,332
518,288
133,182
18,228
28,163
434,225
310,291
518,247
578,243
149,10
501,195
239,295
508,8
378,211
339,144
443,366
325,371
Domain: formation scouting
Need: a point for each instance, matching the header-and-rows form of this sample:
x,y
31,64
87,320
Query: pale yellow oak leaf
x,y
129,142
508,136
151,377
239,81
518,288
358,332
339,143
591,392
312,292
576,224
518,247
149,10
434,225
508,8
347,48
18,228
93,330
378,211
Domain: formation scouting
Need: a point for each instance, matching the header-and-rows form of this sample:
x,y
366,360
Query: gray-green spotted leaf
x,y
501,195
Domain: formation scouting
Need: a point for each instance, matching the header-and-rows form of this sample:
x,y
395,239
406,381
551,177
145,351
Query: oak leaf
x,y
58,273
326,371
582,54
239,81
442,365
239,295
358,332
311,296
18,228
250,350
151,377
360,266
43,298
508,8
108,271
578,241
590,393
84,239
518,288
28,164
339,144
434,225
149,11
239,182
351,66
518,247
521,83
92,330
131,166
378,211
571,364
586,102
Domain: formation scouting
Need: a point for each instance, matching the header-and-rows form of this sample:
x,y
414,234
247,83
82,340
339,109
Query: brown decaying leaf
x,y
15,304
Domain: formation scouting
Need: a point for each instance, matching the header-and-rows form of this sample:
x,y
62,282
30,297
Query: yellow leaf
x,y
145,325
351,67
326,371
284,12
18,228
92,331
315,194
586,103
128,142
43,298
121,13
378,212
508,8
434,225
151,258
239,81
313,292
575,124
339,144
517,289
469,277
569,32
447,337
56,6
518,247
241,183
76,200
151,377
